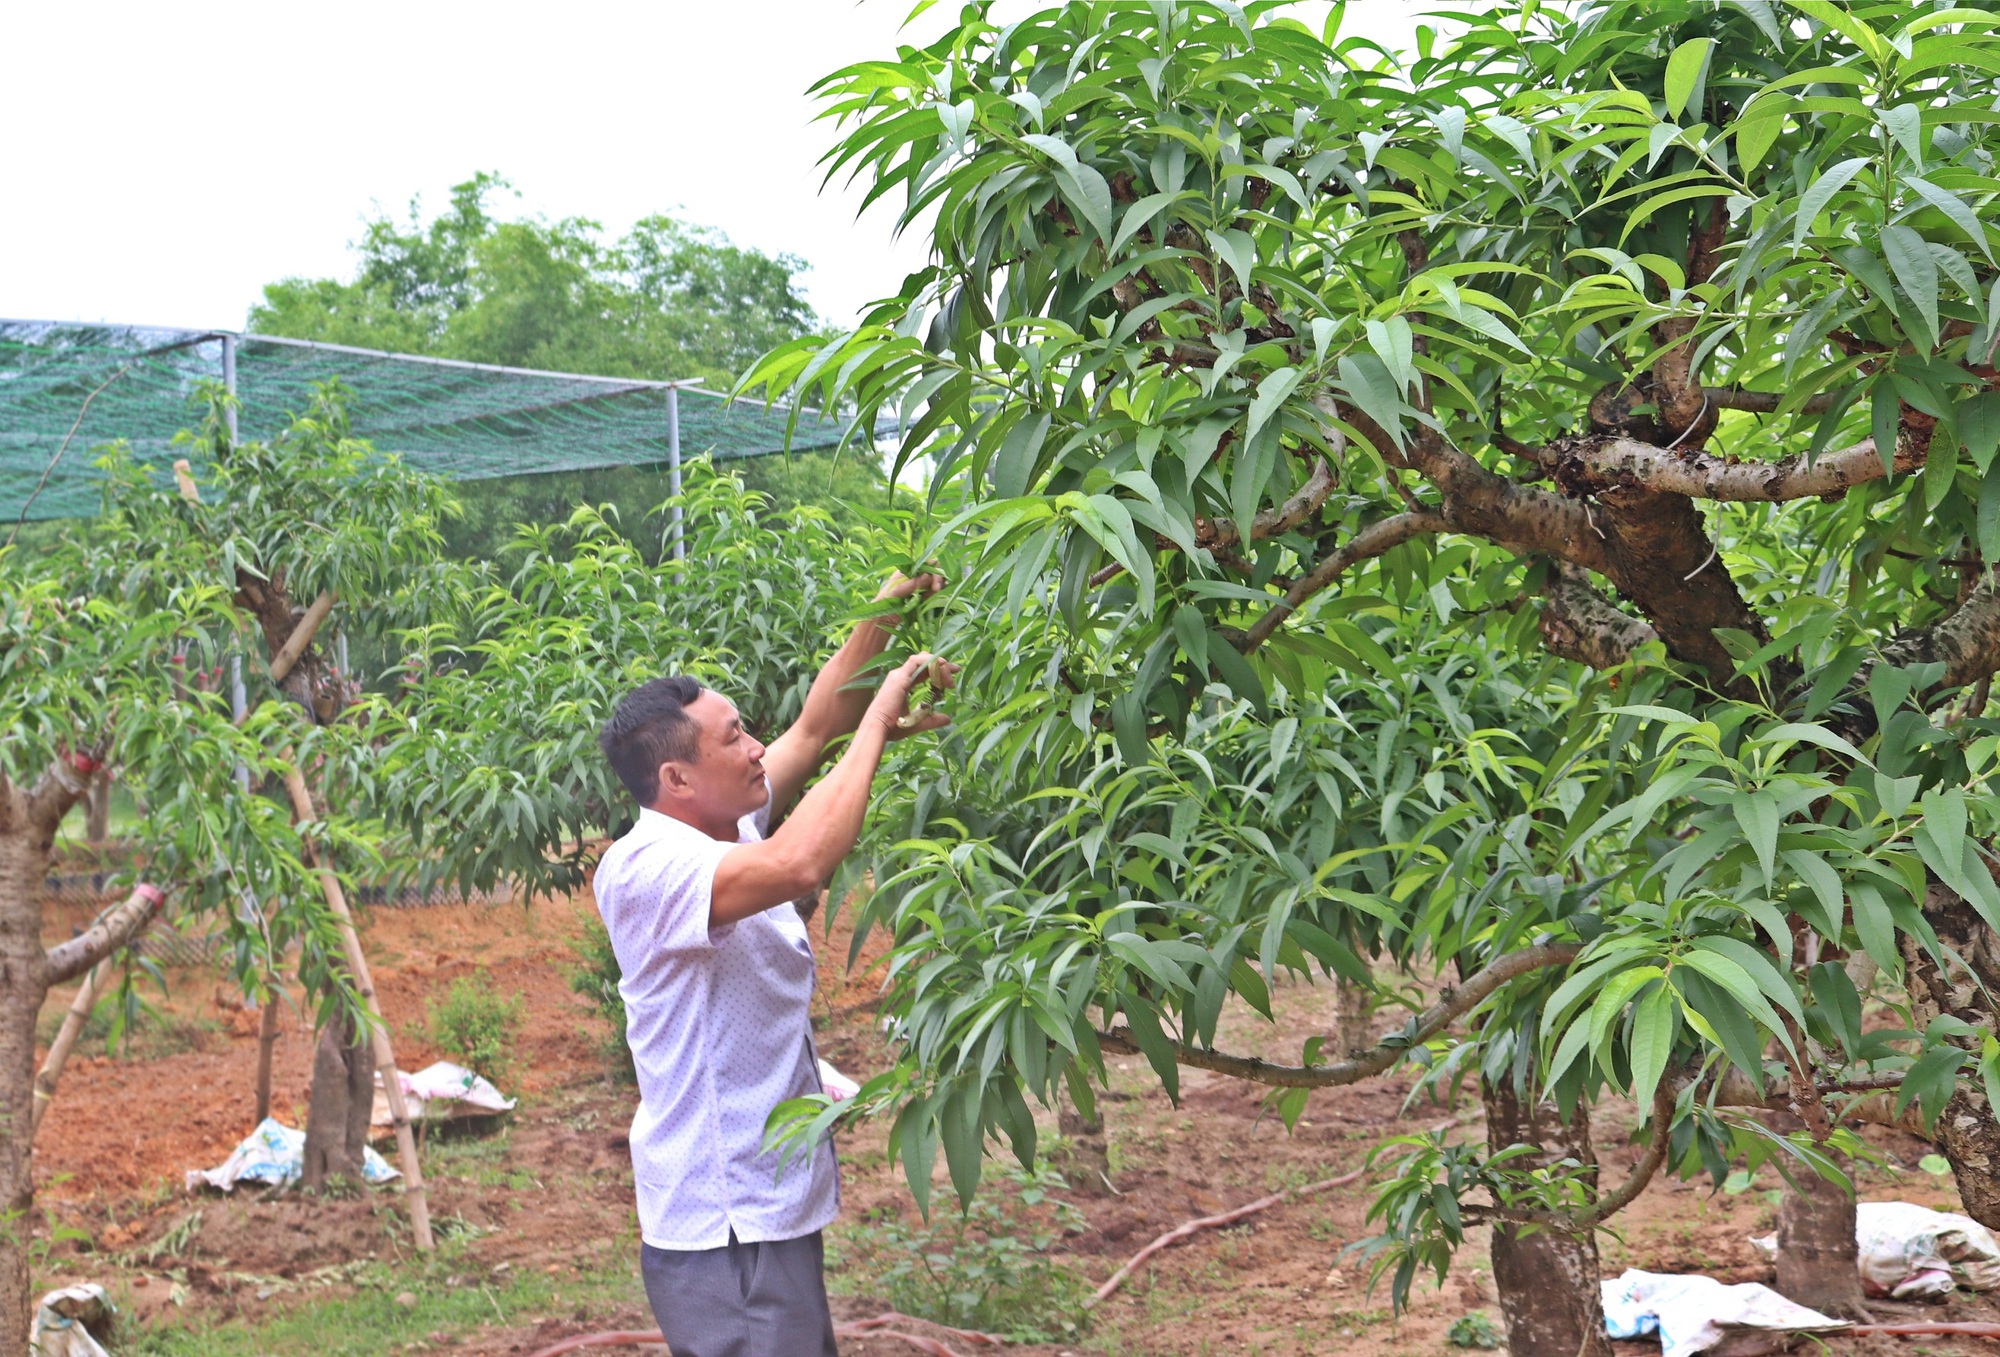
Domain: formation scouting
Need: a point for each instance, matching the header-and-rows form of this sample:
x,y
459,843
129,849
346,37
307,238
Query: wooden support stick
x,y
65,1042
301,637
385,1054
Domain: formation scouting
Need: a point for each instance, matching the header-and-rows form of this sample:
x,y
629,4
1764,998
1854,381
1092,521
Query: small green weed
x,y
989,1268
1476,1330
477,1025
595,977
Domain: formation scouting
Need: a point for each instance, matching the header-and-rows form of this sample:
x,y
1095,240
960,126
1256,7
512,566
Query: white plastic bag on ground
x,y
440,1092
1909,1251
1693,1314
59,1330
275,1153
837,1085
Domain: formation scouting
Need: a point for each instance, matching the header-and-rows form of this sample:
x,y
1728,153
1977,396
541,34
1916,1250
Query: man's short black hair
x,y
651,727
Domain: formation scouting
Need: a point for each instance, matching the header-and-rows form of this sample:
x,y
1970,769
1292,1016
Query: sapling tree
x,y
299,528
88,634
1654,337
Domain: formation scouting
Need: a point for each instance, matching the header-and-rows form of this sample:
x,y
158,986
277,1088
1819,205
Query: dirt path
x,y
552,1195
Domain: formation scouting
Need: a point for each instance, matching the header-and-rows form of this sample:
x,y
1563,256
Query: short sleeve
x,y
660,902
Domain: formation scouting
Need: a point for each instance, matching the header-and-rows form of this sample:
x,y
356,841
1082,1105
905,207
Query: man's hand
x,y
899,587
891,706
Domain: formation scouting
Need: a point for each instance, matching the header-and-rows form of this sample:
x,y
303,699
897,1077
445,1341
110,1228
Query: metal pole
x,y
239,707
340,652
229,385
674,467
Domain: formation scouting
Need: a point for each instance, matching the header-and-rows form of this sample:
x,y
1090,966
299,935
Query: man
x,y
718,979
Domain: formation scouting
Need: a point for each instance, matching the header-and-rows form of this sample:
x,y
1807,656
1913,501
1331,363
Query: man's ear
x,y
673,779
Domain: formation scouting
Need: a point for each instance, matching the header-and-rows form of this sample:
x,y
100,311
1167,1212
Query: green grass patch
x,y
454,1295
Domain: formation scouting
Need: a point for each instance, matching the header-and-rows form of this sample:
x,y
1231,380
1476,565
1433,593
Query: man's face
x,y
726,778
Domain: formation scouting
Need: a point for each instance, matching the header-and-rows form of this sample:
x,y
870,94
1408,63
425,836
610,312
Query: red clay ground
x,y
554,1192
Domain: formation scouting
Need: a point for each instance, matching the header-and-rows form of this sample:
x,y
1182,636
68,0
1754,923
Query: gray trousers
x,y
742,1300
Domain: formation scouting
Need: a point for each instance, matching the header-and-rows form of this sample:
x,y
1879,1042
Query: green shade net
x,y
67,389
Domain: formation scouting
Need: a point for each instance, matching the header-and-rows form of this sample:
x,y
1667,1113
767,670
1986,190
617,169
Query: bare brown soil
x,y
554,1192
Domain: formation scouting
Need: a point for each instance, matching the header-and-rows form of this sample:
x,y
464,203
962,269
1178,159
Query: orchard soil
x,y
549,1195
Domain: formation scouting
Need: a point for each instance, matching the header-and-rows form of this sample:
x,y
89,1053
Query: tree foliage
x,y
1271,379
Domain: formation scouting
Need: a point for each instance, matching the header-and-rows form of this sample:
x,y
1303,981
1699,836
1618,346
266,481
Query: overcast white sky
x,y
167,162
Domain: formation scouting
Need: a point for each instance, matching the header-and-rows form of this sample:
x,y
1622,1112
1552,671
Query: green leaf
x,y
1655,1022
1978,419
1736,982
1814,200
1874,925
1953,207
1271,395
1759,127
1014,464
1685,69
1910,258
1757,812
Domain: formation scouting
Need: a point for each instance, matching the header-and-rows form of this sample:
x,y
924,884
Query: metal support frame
x,y
229,385
674,468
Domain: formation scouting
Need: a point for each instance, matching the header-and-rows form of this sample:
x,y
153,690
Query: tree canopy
x,y
1654,338
668,300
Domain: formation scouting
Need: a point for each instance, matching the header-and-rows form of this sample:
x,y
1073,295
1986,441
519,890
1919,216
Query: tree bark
x,y
97,822
1351,1030
23,985
1089,1154
1967,1133
1818,1255
343,1096
267,1039
1547,1280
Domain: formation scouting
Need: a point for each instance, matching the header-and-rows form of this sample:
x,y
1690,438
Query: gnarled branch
x,y
1589,466
1767,402
115,928
1578,623
1370,542
1219,534
1451,1005
1967,642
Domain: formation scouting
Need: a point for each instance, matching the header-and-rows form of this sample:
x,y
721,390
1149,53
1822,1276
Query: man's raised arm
x,y
832,709
805,849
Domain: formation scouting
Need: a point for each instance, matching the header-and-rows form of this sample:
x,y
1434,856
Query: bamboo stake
x,y
65,1042
385,1054
301,637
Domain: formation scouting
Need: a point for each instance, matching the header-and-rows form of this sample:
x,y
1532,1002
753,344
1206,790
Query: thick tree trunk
x,y
1089,1155
267,1039
1967,1134
1547,1281
1351,1018
23,985
1818,1257
97,804
343,1095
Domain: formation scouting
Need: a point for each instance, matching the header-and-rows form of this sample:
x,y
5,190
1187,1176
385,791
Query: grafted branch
x,y
1451,1005
117,926
1588,466
1578,623
1967,643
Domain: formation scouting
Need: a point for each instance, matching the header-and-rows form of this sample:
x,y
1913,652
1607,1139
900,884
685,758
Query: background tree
x,y
666,300
112,642
1653,337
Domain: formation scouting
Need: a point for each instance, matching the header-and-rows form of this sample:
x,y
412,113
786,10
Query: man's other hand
x,y
892,700
900,586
